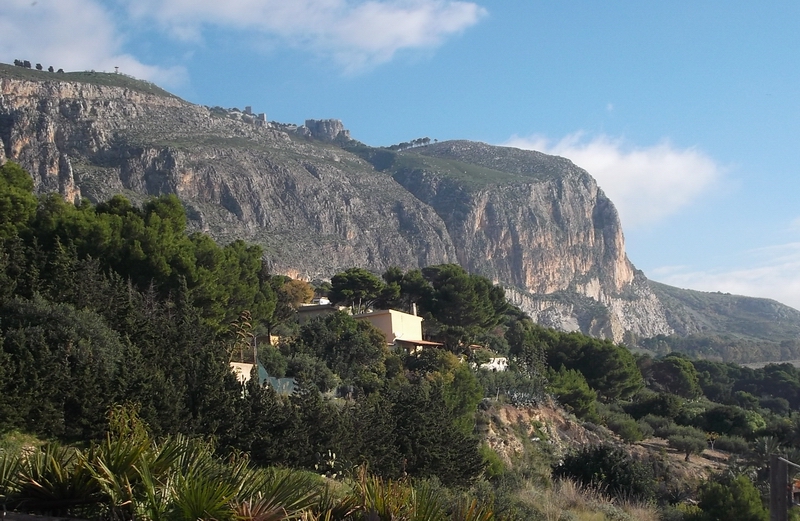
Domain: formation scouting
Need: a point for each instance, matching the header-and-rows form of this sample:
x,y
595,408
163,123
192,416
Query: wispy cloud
x,y
73,35
357,34
774,273
646,184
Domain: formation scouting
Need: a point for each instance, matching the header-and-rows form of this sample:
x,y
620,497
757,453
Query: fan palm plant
x,y
112,464
9,474
57,480
273,493
397,500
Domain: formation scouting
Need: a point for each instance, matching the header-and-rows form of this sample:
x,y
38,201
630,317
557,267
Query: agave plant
x,y
764,446
200,494
153,494
427,503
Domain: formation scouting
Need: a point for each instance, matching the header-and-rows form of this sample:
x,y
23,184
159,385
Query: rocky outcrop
x,y
325,130
546,229
535,223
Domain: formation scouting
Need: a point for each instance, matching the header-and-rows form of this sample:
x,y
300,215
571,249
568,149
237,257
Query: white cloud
x,y
73,35
646,184
774,273
356,34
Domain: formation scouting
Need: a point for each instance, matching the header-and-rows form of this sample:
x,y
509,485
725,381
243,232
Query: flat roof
x,y
419,342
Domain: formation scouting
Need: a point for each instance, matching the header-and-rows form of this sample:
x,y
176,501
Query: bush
x,y
645,428
610,468
729,419
624,426
659,404
731,498
687,444
777,405
272,361
494,465
734,444
660,426
573,392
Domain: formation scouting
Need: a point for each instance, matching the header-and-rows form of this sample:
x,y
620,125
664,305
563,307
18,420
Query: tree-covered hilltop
x,y
110,304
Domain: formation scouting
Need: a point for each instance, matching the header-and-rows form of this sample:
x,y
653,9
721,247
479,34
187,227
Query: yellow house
x,y
401,329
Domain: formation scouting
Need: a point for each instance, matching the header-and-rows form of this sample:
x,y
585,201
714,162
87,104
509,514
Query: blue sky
x,y
687,113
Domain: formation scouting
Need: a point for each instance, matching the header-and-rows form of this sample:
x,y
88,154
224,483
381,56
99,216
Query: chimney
x,y
414,308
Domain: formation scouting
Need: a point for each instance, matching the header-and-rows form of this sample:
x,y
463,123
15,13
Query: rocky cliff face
x,y
537,224
545,228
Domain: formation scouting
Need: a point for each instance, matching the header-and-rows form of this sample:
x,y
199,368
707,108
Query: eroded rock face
x,y
317,209
551,234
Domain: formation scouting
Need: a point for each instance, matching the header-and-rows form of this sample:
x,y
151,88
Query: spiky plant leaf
x,y
153,497
56,478
331,506
471,511
427,504
10,463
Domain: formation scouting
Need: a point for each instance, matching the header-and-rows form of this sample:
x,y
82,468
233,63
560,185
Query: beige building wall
x,y
395,324
242,371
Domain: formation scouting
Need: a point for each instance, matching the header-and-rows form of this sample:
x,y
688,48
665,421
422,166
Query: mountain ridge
x,y
538,224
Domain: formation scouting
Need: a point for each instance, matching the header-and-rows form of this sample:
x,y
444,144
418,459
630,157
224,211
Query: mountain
x,y
319,202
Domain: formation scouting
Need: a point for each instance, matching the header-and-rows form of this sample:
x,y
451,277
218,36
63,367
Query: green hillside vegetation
x,y
726,327
469,176
116,333
109,79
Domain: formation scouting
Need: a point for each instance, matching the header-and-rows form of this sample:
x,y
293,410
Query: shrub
x,y
624,426
659,404
660,425
573,392
494,465
687,444
610,468
734,444
776,404
731,498
646,430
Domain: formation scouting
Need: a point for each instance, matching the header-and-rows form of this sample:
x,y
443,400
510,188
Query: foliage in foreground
x,y
129,476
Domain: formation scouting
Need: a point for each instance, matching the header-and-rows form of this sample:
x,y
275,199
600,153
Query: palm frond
x,y
56,479
471,511
10,463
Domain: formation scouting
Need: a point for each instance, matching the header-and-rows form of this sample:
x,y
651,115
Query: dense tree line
x,y
729,348
112,303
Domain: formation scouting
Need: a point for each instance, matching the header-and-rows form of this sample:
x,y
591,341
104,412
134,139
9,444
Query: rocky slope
x,y
319,202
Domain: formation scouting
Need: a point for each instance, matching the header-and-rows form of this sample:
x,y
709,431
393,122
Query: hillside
x,y
319,202
729,327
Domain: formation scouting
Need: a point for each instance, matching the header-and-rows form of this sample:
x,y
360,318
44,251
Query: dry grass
x,y
583,504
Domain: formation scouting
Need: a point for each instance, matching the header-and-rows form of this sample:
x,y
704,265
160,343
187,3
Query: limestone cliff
x,y
319,202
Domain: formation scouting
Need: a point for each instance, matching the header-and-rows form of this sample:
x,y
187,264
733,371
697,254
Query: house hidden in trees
x,y
402,330
242,371
308,312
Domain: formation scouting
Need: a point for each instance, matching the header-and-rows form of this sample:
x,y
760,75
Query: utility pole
x,y
780,488
778,483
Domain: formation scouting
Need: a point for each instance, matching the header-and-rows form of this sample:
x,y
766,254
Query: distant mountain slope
x,y
691,312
